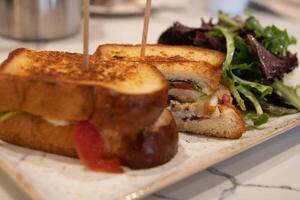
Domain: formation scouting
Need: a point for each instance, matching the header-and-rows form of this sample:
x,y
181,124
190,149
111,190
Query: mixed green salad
x,y
257,58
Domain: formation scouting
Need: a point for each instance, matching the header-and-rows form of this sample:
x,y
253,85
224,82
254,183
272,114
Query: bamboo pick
x,y
86,16
145,28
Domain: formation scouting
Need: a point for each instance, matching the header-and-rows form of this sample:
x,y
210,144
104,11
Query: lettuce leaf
x,y
251,97
276,110
273,39
272,66
239,86
263,90
258,119
6,115
227,21
289,93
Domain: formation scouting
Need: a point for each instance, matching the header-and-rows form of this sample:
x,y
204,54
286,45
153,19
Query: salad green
x,y
273,39
239,86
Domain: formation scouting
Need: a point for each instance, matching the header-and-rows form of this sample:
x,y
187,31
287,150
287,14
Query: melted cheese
x,y
58,122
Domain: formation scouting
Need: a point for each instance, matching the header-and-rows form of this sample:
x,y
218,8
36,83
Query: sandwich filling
x,y
5,115
58,122
188,101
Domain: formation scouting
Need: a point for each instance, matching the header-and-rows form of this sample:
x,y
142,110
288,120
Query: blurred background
x,y
40,21
57,24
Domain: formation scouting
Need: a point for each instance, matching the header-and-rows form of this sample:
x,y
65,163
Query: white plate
x,y
49,177
135,8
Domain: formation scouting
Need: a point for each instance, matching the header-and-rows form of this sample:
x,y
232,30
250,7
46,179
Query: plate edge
x,y
20,182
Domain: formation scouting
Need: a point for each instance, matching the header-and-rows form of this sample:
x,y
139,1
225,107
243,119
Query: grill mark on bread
x,y
188,53
105,71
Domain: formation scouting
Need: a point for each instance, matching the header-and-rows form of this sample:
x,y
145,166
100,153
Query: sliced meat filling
x,y
188,102
199,109
183,95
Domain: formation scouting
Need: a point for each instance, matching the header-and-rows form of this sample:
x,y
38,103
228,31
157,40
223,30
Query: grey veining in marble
x,y
269,171
236,183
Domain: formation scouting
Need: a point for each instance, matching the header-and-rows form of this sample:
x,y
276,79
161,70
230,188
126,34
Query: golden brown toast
x,y
122,96
156,52
175,62
126,77
154,145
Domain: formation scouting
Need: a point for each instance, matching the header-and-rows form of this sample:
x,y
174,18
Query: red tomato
x,y
182,85
226,99
89,147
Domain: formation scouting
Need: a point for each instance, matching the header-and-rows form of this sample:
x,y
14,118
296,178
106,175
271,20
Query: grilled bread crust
x,y
152,146
157,52
228,125
125,97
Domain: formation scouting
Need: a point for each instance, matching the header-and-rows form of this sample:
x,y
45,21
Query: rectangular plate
x,y
47,176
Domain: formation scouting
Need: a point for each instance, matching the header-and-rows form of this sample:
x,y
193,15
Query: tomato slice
x,y
89,146
182,85
226,99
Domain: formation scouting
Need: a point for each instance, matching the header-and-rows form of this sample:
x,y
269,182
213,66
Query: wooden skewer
x,y
145,28
86,16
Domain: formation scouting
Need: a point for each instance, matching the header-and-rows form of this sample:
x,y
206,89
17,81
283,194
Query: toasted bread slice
x,y
153,145
123,96
125,77
228,125
175,62
156,52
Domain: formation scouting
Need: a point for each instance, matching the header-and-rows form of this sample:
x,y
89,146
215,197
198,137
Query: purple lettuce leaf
x,y
272,66
179,34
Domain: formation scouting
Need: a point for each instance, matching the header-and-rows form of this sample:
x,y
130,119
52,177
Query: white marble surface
x,y
267,171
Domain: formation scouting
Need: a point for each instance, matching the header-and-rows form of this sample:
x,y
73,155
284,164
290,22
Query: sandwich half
x,y
199,103
113,113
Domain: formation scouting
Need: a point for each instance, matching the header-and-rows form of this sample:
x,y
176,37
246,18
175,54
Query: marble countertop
x,y
267,171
